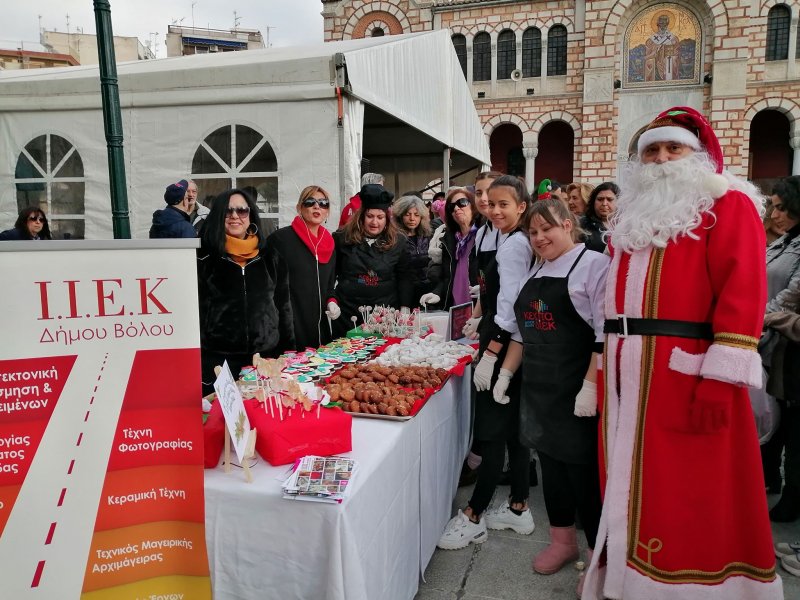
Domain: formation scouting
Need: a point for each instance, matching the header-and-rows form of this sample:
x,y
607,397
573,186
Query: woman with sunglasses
x,y
307,249
244,293
371,262
31,224
458,271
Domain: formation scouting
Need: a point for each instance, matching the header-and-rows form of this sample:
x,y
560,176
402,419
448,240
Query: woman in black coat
x,y
31,224
371,262
243,293
413,218
602,204
459,269
307,249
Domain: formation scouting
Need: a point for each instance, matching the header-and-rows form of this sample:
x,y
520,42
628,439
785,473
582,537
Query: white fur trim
x,y
732,365
684,362
716,185
622,416
668,133
641,586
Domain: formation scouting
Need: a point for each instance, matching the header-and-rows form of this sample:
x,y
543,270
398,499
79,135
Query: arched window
x,y
506,54
532,53
482,57
557,50
778,21
460,45
49,174
237,156
378,32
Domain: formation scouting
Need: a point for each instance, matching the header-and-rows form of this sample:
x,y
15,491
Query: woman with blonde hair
x,y
308,250
578,194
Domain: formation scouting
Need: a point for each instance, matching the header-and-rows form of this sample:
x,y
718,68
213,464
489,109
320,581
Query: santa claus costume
x,y
684,513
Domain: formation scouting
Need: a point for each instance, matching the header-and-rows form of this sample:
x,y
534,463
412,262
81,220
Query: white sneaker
x,y
786,549
460,532
501,517
791,563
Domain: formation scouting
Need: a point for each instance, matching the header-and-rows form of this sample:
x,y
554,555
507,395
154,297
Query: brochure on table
x,y
459,315
101,473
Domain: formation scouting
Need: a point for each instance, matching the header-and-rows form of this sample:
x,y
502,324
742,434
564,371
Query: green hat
x,y
543,193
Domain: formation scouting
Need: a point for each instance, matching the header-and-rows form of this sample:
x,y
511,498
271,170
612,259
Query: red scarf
x,y
320,246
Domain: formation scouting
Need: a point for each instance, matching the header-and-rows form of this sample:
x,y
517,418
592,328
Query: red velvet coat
x,y
685,513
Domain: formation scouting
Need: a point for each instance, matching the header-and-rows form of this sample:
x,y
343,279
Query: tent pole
x,y
446,169
112,119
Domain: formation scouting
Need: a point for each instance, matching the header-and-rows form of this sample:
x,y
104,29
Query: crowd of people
x,y
617,330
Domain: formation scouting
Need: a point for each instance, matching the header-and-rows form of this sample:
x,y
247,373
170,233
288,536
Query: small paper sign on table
x,y
238,425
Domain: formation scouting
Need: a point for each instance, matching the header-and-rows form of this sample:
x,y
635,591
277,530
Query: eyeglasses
x,y
241,211
311,202
460,203
38,219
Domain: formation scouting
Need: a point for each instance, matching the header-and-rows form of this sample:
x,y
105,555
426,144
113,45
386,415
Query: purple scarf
x,y
464,245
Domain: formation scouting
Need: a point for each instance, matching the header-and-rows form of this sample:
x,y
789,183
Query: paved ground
x,y
500,568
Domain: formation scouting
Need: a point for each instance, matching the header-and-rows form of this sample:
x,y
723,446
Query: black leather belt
x,y
624,326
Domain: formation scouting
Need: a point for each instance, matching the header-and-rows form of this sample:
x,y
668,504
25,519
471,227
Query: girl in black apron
x,y
485,250
559,316
497,424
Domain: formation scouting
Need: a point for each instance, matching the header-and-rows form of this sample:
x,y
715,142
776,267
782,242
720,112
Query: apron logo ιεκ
x,y
539,316
482,282
370,279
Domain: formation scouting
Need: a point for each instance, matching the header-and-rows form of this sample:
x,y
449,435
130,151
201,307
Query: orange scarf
x,y
241,250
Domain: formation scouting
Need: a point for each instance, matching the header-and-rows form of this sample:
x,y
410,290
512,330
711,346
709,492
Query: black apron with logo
x,y
557,350
493,421
487,270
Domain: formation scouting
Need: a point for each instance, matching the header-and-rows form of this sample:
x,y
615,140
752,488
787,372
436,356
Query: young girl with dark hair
x,y
557,340
244,294
497,423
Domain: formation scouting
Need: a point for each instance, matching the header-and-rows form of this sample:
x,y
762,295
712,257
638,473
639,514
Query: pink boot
x,y
579,591
563,548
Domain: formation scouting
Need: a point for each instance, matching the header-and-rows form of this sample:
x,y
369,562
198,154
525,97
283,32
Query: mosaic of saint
x,y
663,47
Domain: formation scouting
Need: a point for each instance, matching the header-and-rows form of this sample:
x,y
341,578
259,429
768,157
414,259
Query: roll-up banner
x,y
101,445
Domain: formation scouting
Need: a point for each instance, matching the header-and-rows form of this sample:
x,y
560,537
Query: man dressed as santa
x,y
684,513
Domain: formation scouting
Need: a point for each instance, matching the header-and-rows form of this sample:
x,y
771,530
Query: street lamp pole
x,y
112,119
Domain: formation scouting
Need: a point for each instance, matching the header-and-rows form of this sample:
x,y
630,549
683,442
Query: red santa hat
x,y
687,126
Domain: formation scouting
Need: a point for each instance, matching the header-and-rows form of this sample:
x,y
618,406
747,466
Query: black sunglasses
x,y
461,203
323,203
38,219
242,211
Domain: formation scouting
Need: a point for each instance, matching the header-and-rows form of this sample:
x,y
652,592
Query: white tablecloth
x,y
375,545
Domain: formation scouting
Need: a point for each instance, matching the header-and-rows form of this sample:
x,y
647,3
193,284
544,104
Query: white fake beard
x,y
661,202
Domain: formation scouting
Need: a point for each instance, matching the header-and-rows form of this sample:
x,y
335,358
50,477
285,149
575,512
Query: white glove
x,y
483,372
470,329
429,298
475,291
333,312
499,390
586,400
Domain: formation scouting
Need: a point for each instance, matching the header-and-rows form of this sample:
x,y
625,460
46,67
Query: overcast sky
x,y
295,22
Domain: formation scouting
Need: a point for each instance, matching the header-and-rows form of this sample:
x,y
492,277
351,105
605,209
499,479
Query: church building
x,y
565,87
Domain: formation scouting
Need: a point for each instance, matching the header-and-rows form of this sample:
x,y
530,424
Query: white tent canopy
x,y
262,118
